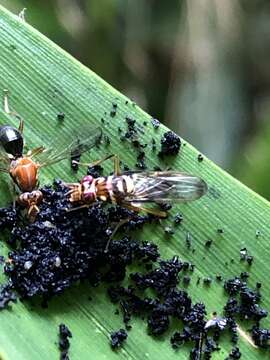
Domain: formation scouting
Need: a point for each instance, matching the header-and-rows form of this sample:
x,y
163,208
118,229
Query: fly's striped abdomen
x,y
119,187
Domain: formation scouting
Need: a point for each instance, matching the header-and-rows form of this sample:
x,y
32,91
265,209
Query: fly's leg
x,y
121,223
117,170
32,212
79,207
116,162
156,212
7,110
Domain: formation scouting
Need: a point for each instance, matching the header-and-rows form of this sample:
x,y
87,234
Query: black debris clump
x,y
178,218
260,336
155,123
207,281
62,247
114,110
168,230
118,337
208,243
132,130
74,162
243,301
170,144
7,295
8,218
235,354
200,158
141,161
245,256
95,171
64,335
61,116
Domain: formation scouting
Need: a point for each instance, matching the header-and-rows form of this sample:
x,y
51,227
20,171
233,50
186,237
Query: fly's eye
x,y
87,178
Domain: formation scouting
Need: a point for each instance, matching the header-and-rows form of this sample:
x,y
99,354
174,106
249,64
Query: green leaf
x,y
44,80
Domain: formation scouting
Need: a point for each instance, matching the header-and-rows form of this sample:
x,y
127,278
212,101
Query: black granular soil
x,y
7,295
170,144
118,337
64,335
62,247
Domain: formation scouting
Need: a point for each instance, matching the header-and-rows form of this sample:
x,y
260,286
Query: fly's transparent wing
x,y
165,186
63,148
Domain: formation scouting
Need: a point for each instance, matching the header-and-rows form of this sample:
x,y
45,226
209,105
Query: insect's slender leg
x,y
79,207
35,151
21,124
7,110
4,170
95,163
116,162
155,212
117,170
121,223
32,212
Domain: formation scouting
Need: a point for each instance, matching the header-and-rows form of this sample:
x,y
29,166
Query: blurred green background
x,y
202,67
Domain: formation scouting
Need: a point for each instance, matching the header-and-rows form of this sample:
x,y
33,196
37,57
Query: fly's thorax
x,y
87,190
24,172
75,193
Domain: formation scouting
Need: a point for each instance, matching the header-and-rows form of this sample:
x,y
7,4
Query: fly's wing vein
x,y
168,186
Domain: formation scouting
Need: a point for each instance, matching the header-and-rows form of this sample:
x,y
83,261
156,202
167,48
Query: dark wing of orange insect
x,y
4,160
165,186
64,147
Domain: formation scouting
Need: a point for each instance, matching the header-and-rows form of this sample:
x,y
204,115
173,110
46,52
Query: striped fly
x,y
134,189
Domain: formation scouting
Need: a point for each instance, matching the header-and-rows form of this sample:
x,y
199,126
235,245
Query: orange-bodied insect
x,y
132,189
23,169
